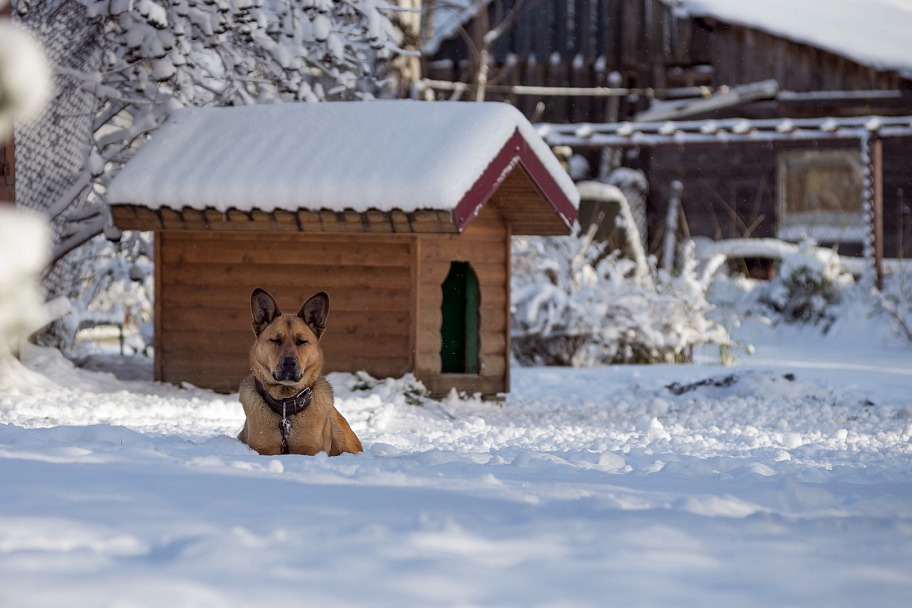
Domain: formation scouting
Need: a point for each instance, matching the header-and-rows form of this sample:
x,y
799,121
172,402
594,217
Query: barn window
x,y
459,329
820,196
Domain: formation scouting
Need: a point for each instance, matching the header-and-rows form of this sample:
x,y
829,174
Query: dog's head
x,y
287,348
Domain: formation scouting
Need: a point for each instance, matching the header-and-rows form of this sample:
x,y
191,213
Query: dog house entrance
x,y
459,329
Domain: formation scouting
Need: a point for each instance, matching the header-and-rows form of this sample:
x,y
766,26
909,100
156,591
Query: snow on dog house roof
x,y
381,166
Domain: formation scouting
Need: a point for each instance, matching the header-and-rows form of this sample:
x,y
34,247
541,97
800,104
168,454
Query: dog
x,y
287,402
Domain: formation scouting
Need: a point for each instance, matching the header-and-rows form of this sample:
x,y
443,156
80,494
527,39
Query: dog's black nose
x,y
287,369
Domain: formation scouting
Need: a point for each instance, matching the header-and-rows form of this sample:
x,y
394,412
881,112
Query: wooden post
x,y
8,171
671,226
872,154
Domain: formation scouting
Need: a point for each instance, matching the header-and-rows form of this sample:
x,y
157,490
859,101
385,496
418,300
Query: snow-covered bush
x,y
896,301
24,246
575,304
117,291
809,283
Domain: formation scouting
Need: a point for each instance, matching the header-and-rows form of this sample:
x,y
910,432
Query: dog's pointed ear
x,y
264,309
314,313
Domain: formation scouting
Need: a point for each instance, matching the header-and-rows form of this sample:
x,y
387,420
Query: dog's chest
x,y
307,434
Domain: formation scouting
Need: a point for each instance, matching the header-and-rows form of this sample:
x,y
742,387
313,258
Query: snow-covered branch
x,y
155,56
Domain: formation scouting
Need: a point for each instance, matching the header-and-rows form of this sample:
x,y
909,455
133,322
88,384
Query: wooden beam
x,y
876,160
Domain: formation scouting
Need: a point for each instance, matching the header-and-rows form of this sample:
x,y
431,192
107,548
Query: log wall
x,y
385,296
204,281
485,244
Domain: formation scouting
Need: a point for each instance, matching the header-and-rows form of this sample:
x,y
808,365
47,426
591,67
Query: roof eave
x,y
517,152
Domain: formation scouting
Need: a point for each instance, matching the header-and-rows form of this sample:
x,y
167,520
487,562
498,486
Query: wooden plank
x,y
492,343
215,218
432,221
326,277
160,242
286,221
332,254
440,384
242,221
349,323
127,217
400,222
194,219
310,222
190,346
266,220
340,298
491,319
378,222
148,217
353,221
228,378
384,367
331,222
496,366
490,274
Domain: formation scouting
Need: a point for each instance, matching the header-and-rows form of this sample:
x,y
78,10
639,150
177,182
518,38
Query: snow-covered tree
x,y
158,56
153,56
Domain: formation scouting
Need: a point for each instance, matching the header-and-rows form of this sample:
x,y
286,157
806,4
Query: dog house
x,y
402,211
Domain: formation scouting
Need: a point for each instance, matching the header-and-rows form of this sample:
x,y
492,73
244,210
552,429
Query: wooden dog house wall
x,y
385,299
385,270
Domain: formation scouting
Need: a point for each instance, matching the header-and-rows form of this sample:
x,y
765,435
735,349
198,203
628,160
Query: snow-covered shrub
x,y
810,281
117,290
896,301
575,304
24,245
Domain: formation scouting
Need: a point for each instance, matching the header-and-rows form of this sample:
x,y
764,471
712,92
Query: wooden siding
x,y
741,55
730,191
651,45
378,321
204,280
485,245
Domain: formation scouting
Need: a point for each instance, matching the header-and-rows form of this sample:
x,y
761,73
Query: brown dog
x,y
287,401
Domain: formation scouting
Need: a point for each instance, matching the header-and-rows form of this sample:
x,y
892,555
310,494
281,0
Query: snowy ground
x,y
784,480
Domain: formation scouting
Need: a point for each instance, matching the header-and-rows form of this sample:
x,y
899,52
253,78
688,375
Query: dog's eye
x,y
300,341
276,341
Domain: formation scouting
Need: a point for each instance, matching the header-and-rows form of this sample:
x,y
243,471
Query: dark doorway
x,y
459,329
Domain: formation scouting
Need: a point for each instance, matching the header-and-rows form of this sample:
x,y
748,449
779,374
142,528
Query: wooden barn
x,y
623,55
402,211
782,178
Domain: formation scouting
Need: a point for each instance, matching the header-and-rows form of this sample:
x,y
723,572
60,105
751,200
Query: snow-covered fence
x,y
706,249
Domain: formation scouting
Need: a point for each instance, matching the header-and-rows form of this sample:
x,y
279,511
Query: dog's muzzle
x,y
287,370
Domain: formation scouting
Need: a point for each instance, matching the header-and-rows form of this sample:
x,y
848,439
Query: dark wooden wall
x,y
580,42
730,191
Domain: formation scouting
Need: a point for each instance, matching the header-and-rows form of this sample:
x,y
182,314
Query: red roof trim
x,y
516,150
